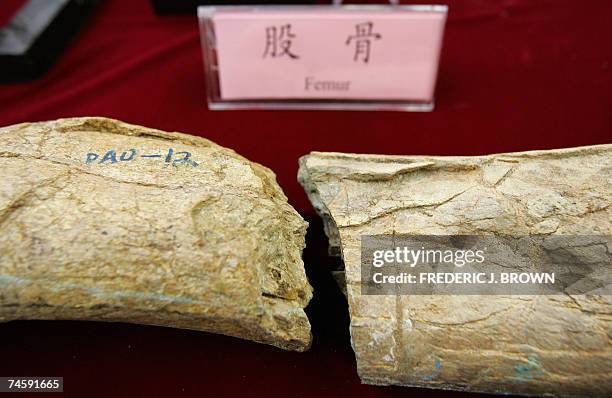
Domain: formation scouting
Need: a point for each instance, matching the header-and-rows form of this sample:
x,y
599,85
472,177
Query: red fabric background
x,y
515,75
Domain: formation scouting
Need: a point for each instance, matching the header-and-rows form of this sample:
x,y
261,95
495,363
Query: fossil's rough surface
x,y
102,220
555,344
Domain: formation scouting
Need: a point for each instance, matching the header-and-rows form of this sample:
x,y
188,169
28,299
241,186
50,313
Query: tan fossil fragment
x,y
169,230
558,344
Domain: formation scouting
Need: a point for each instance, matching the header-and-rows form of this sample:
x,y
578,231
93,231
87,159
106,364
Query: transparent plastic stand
x,y
327,57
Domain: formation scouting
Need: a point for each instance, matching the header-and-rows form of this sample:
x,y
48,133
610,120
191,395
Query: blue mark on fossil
x,y
529,370
103,294
436,372
10,279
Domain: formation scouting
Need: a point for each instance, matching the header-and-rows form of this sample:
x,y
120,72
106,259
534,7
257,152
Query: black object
x,y
189,6
33,40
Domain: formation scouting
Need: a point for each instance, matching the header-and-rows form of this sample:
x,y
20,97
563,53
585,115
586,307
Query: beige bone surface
x,y
556,344
204,242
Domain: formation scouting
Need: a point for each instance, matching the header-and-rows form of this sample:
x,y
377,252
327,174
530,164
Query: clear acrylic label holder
x,y
322,56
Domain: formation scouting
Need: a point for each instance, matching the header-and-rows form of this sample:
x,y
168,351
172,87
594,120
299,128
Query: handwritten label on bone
x,y
169,157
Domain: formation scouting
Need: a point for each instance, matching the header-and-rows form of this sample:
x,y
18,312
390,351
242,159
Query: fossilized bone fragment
x,y
102,220
556,344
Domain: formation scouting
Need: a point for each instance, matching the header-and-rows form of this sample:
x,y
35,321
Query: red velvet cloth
x,y
515,75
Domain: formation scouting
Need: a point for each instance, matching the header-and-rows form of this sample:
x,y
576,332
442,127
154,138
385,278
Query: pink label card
x,y
382,53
